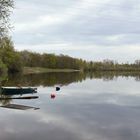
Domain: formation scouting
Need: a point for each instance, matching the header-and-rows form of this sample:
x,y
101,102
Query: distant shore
x,y
36,70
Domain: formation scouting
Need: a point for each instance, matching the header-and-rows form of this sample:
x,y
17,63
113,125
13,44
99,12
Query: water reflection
x,y
48,79
113,75
19,107
89,106
51,79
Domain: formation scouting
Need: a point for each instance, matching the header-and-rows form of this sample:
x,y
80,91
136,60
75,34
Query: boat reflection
x,y
19,107
26,97
8,94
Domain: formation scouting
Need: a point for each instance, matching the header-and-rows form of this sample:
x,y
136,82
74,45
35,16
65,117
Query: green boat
x,y
17,90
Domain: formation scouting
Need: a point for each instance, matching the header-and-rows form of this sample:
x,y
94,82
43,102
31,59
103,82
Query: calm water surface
x,y
88,107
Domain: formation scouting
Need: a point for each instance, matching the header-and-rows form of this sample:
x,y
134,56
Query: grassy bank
x,y
35,70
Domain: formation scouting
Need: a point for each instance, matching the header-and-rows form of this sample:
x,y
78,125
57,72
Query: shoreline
x,y
36,70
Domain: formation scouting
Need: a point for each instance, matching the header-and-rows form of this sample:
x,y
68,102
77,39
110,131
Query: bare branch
x,y
5,9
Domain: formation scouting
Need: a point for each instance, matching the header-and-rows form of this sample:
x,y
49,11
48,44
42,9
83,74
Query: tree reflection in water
x,y
52,79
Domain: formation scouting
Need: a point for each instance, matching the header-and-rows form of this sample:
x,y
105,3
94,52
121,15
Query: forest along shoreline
x,y
12,61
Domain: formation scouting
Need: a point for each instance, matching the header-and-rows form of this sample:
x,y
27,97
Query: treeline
x,y
31,59
13,61
110,65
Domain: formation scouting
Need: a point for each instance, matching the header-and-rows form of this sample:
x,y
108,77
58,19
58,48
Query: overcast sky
x,y
89,29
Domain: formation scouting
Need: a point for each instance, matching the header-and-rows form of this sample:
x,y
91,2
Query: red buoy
x,y
53,96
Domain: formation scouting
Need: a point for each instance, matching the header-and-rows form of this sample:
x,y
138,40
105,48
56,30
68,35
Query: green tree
x,y
3,68
9,56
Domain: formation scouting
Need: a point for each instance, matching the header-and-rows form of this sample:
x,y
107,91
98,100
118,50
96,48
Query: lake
x,y
89,106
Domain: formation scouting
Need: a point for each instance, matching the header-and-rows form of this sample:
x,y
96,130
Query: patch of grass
x,y
35,70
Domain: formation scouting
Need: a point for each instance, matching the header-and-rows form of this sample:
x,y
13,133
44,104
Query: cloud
x,y
80,23
90,52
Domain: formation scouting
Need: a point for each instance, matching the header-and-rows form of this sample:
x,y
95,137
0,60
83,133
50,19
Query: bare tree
x,y
5,10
